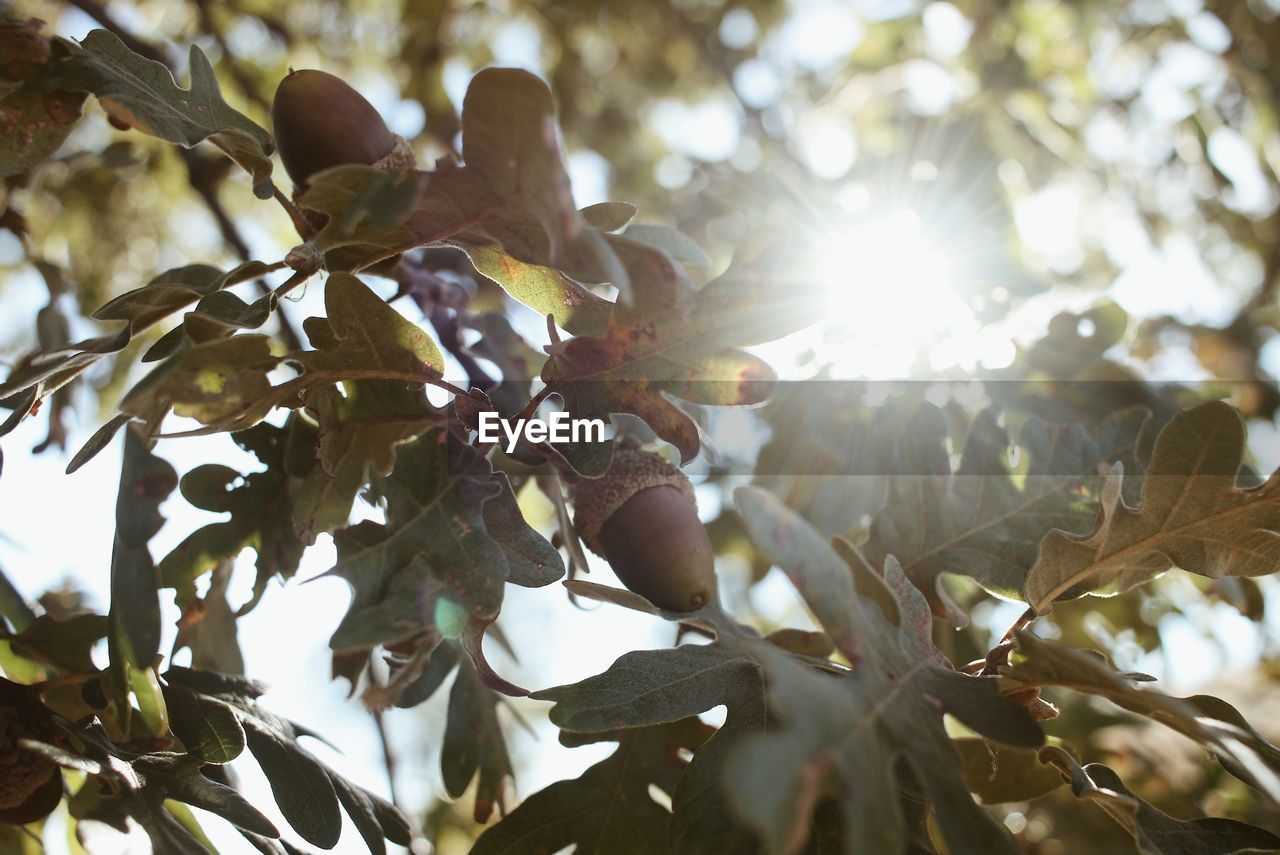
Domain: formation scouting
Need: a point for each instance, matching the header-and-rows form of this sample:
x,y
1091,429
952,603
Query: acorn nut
x,y
321,122
642,517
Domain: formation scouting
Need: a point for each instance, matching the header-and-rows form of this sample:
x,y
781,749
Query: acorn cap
x,y
320,122
632,470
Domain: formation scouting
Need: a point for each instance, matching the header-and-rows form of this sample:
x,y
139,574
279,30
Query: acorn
x,y
321,122
642,517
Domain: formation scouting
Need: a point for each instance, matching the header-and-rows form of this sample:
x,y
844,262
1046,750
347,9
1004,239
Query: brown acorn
x,y
642,517
321,122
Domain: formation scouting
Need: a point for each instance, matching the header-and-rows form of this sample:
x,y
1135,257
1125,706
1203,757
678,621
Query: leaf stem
x,y
292,282
388,757
305,230
999,655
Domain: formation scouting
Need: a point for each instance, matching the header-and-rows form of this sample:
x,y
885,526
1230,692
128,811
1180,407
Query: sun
x,y
893,292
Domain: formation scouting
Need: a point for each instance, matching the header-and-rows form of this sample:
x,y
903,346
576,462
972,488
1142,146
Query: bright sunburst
x,y
893,291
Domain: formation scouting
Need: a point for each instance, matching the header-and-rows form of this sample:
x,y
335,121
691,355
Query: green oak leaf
x,y
446,544
207,727
997,774
545,290
608,808
365,337
140,308
61,643
209,382
436,670
360,425
473,744
173,290
849,733
307,792
649,687
222,380
141,93
222,314
608,216
134,620
259,504
135,786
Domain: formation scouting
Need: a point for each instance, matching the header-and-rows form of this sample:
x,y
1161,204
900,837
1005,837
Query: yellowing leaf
x,y
370,339
207,381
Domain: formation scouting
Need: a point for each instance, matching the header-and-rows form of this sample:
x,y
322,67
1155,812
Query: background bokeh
x,y
963,173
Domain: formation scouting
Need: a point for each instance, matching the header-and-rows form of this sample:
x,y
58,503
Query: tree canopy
x,y
960,316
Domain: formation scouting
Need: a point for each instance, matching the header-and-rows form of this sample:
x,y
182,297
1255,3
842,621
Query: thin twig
x,y
999,655
388,758
534,402
292,282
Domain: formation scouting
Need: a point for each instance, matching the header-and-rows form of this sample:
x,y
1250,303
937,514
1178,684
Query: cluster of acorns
x,y
641,516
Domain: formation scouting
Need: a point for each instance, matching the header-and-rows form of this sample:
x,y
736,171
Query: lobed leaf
x,y
359,426
608,808
1192,515
141,93
1210,721
308,793
683,342
986,520
848,733
509,204
453,536
1155,832
367,336
473,744
135,787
